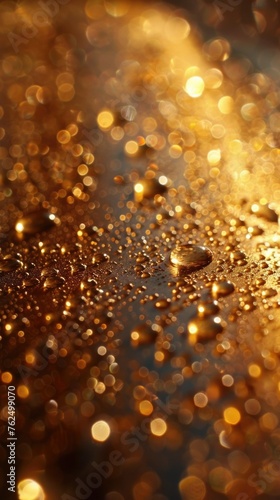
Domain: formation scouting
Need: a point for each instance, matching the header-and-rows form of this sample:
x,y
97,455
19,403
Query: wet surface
x,y
139,262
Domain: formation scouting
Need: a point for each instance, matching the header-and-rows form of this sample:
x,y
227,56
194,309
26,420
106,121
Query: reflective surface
x,y
125,136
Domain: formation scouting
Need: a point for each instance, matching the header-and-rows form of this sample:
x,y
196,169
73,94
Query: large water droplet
x,y
190,257
222,288
49,272
207,308
53,282
148,188
142,334
35,222
264,211
10,264
204,329
30,282
77,267
99,258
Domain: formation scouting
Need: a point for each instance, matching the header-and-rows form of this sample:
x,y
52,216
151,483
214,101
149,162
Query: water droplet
x,y
53,282
142,335
264,211
255,230
237,256
147,188
49,272
203,329
222,288
35,222
145,275
89,284
207,308
10,264
78,267
269,292
162,303
142,258
190,257
70,248
30,282
98,258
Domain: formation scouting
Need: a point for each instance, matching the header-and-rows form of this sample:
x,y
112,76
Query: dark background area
x,y
251,26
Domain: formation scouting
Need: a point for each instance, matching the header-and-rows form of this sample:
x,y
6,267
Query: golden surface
x,y
124,137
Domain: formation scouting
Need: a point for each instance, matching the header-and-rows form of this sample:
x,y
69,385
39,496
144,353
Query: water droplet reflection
x,y
190,257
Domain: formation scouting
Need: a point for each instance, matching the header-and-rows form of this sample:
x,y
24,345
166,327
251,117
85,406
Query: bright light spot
x,y
105,119
254,370
23,391
82,169
131,148
214,156
139,188
163,180
19,227
232,415
102,350
6,377
255,208
158,427
28,489
192,328
225,105
195,86
146,407
217,320
100,431
134,335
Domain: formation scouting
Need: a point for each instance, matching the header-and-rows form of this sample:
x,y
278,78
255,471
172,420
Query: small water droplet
x,y
35,222
145,275
119,179
190,257
142,258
